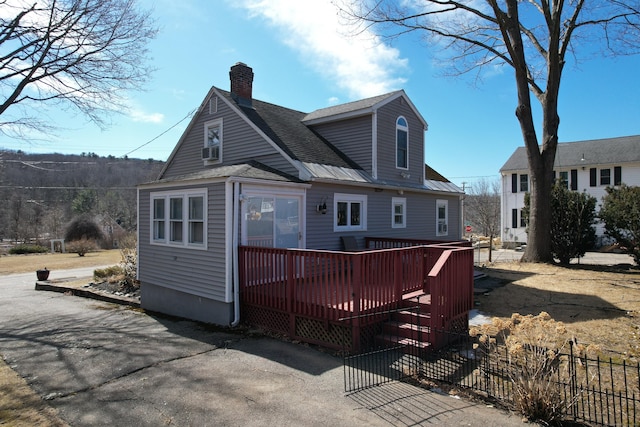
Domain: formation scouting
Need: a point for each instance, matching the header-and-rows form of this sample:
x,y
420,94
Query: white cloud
x,y
140,116
360,64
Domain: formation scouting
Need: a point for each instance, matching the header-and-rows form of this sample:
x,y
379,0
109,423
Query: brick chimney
x,y
241,77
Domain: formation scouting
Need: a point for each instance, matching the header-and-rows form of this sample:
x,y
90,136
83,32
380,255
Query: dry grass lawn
x,y
598,304
20,406
11,264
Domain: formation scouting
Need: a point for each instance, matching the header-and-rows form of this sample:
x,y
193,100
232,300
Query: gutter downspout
x,y
234,257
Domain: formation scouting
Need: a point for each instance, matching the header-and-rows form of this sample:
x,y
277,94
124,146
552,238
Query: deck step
x,y
418,298
409,316
407,330
387,340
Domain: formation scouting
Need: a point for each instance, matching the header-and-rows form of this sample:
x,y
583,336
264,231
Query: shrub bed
x,y
27,249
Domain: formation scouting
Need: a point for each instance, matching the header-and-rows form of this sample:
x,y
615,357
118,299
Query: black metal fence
x,y
593,390
388,353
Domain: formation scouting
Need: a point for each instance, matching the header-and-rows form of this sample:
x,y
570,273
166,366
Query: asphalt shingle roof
x,y
624,149
251,169
348,107
285,128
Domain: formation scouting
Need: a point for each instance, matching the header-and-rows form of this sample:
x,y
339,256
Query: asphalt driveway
x,y
104,364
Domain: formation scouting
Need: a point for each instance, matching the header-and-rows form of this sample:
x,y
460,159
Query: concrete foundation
x,y
181,304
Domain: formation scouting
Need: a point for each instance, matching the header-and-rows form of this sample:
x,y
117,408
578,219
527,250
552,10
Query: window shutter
x,y
593,177
514,182
514,218
574,179
617,175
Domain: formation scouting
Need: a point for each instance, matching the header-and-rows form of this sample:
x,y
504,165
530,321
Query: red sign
x,y
467,229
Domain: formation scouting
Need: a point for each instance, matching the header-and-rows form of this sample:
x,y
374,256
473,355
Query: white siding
x,y
510,200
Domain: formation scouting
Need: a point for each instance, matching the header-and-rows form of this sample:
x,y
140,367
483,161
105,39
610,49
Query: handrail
x,y
392,242
450,282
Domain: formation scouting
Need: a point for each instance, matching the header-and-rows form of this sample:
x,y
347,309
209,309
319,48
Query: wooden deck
x,y
306,293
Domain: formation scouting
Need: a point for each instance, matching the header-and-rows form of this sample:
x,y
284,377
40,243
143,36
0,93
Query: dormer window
x,y
212,150
402,147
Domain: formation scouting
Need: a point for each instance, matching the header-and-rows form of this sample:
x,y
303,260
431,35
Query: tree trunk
x,y
542,174
539,238
540,161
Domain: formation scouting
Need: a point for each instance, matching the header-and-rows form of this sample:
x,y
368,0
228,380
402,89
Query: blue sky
x,y
303,59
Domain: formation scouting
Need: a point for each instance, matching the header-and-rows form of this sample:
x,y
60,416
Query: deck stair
x,y
408,327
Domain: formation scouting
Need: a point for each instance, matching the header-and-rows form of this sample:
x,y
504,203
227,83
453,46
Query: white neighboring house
x,y
589,166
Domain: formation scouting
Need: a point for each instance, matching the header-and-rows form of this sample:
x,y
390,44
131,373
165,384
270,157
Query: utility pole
x,y
464,183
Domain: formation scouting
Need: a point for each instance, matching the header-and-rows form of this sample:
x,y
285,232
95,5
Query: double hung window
x,y
524,182
179,218
564,179
442,217
399,212
212,150
350,212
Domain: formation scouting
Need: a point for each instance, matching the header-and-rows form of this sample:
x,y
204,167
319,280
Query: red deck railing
x,y
389,242
450,284
329,285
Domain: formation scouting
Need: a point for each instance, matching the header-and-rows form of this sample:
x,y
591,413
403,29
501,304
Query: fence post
x,y
572,381
290,292
356,265
397,276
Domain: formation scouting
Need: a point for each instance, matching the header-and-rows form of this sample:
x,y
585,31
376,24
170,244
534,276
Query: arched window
x,y
402,143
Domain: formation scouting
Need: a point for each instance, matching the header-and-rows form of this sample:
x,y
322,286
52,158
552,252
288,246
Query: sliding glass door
x,y
271,220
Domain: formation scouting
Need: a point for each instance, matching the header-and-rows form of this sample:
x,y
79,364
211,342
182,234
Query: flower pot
x,y
42,274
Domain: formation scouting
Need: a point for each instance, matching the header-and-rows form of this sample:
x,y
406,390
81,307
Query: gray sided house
x,y
246,172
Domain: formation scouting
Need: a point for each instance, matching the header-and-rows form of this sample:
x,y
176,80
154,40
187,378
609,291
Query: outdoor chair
x,y
350,244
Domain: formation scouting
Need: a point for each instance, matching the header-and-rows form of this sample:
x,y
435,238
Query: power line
x,y
473,177
33,187
190,113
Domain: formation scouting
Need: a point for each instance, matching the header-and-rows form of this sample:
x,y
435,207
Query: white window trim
x,y
184,195
444,203
610,178
213,105
207,125
526,183
406,129
350,198
395,201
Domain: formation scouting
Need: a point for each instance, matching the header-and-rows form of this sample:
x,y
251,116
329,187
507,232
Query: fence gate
x,y
391,344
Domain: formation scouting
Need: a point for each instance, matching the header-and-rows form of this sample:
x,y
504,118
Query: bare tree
x,y
533,37
83,54
482,209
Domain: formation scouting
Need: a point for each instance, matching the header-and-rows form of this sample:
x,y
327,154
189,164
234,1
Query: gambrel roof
x,y
607,151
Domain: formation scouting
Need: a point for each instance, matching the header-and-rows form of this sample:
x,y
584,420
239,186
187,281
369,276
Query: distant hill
x,y
69,170
39,193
